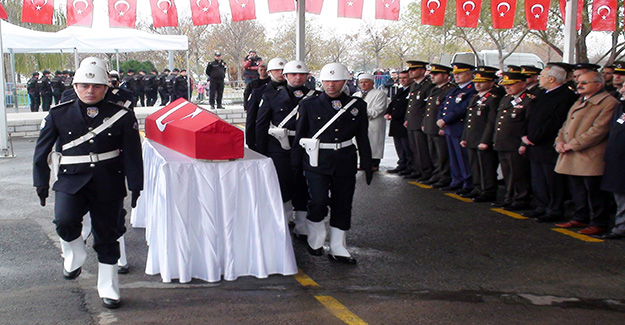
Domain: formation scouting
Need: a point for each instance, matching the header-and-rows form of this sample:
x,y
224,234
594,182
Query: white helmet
x,y
276,64
92,60
295,66
334,71
91,74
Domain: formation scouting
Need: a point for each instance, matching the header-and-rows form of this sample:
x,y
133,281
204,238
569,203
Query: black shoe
x,y
549,219
464,191
123,269
471,195
315,252
484,198
405,172
220,107
450,188
212,106
342,259
424,178
440,184
430,181
517,207
413,175
396,170
610,236
111,303
533,214
72,275
501,204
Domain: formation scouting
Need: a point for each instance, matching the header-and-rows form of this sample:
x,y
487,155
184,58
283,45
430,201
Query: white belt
x,y
90,158
336,146
290,133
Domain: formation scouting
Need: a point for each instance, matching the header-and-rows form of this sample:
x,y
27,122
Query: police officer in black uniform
x,y
57,86
129,83
162,87
216,72
140,87
101,149
32,88
150,84
181,85
45,90
329,159
170,82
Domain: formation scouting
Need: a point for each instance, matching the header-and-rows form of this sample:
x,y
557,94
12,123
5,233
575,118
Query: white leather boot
x,y
316,237
108,285
122,263
338,249
300,229
74,256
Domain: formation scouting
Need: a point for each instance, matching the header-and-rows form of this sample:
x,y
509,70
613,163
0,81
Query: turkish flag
x,y
314,6
604,15
537,14
242,10
433,12
468,12
387,9
164,13
350,8
580,8
79,12
38,11
281,5
205,12
3,13
503,12
122,13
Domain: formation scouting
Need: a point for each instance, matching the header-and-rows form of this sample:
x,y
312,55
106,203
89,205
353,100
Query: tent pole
x,y
14,79
75,59
4,132
300,37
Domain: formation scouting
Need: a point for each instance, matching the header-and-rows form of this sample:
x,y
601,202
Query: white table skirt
x,y
208,219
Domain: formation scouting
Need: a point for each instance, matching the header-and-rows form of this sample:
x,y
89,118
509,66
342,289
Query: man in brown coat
x,y
581,143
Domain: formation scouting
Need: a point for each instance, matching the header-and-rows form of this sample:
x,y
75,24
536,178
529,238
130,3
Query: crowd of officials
x,y
555,133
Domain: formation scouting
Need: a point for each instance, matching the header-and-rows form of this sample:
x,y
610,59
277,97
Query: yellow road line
x,y
304,279
510,214
340,311
458,197
577,236
420,185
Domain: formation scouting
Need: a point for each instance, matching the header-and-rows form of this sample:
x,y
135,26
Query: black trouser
x,y
107,220
591,203
548,188
484,170
516,174
216,92
141,98
57,96
421,161
34,102
437,146
292,185
164,96
46,102
341,189
403,152
150,98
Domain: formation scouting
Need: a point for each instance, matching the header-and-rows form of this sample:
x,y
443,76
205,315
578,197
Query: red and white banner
x,y
580,8
242,10
604,15
38,11
314,6
350,8
537,14
433,12
281,5
205,12
503,12
164,13
122,13
79,12
387,9
468,12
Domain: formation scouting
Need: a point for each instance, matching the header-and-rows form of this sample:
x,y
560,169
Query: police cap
x,y
412,64
460,67
217,53
587,66
35,74
439,68
513,68
510,78
530,70
485,68
57,72
45,72
484,76
176,70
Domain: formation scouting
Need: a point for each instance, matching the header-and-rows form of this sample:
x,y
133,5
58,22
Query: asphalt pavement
x,y
424,257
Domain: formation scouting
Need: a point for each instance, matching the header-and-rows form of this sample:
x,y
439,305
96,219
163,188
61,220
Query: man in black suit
x,y
396,113
545,117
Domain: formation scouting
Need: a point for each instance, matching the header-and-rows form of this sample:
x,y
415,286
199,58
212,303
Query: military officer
x,y
99,148
533,87
33,92
417,140
608,73
437,144
326,127
581,68
477,136
274,68
451,120
511,118
618,79
275,131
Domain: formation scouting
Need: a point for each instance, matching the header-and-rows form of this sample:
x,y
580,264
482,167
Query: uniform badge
x,y
479,112
354,111
513,115
92,111
298,93
336,104
459,98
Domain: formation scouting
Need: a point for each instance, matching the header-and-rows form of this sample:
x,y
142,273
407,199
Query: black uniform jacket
x,y
216,70
416,104
544,119
252,111
510,125
397,109
614,174
67,122
434,101
480,119
314,113
276,106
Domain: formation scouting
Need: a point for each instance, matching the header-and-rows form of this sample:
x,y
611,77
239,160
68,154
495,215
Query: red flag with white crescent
x,y
503,12
433,12
468,12
79,12
350,8
205,12
387,9
281,5
537,14
243,10
164,13
122,13
580,8
3,12
38,11
604,15
314,6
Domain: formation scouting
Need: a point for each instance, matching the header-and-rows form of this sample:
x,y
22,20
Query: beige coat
x,y
586,130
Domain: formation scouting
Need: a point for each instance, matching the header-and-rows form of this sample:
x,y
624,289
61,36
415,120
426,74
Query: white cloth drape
x,y
208,219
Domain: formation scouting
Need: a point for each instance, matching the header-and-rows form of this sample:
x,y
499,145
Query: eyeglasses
x,y
588,82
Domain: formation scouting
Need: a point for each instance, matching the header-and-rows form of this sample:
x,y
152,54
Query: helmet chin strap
x,y
272,77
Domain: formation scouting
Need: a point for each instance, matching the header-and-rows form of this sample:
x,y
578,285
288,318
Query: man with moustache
x,y
396,112
376,106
